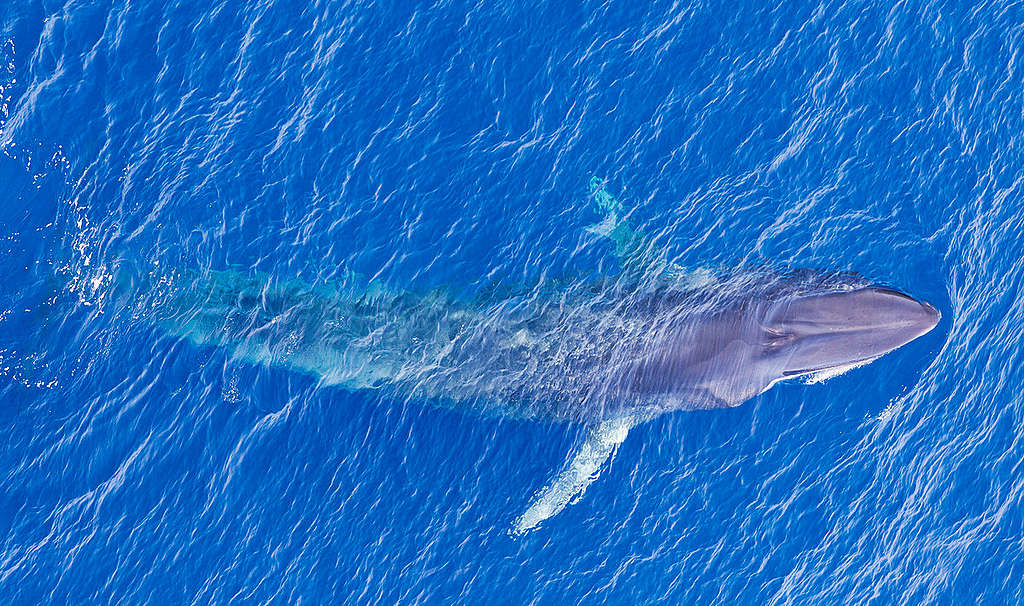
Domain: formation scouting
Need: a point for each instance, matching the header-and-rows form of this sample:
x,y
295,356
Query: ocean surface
x,y
450,146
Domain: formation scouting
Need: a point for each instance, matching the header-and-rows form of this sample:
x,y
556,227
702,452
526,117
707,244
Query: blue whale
x,y
609,356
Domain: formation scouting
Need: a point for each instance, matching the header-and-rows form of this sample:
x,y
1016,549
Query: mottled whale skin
x,y
585,357
609,355
603,357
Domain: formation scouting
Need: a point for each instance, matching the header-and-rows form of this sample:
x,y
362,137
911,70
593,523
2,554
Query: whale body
x,y
585,357
605,355
607,359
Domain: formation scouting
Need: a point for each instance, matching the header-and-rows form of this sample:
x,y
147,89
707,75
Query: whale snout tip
x,y
920,315
932,316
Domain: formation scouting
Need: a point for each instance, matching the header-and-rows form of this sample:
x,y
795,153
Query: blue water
x,y
451,145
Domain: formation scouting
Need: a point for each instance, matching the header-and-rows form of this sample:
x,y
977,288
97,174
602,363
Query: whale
x,y
607,355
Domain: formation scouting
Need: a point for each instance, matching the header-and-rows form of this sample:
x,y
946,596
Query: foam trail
x,y
825,375
585,467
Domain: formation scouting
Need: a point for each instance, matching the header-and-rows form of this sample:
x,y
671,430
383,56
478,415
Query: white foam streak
x,y
829,373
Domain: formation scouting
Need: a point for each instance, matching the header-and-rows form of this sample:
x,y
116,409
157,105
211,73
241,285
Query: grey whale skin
x,y
594,357
603,355
726,359
585,357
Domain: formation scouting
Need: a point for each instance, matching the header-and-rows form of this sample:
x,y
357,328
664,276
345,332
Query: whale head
x,y
819,333
724,359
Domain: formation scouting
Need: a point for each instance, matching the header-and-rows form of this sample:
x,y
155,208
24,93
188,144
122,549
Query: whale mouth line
x,y
827,367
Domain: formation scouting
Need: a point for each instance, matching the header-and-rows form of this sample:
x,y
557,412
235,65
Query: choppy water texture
x,y
449,146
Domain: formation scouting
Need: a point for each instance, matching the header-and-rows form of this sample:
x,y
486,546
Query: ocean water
x,y
450,145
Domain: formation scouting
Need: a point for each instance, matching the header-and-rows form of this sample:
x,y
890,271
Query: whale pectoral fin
x,y
585,467
629,243
635,251
606,227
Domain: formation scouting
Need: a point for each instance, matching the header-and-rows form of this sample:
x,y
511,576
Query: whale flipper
x,y
629,243
585,467
606,227
634,250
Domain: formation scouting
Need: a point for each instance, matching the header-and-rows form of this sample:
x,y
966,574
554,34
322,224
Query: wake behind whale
x,y
608,355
